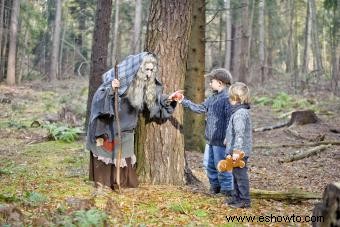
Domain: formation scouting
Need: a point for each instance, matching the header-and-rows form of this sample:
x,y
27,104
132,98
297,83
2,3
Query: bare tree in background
x,y
227,59
99,49
316,41
11,63
160,148
113,50
243,66
55,43
137,27
308,31
261,39
2,8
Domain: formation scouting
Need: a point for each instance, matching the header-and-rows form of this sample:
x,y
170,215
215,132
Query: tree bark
x,y
227,60
53,72
194,80
160,148
137,27
99,50
11,64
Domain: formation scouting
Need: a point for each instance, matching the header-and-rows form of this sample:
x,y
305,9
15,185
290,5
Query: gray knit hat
x,y
221,74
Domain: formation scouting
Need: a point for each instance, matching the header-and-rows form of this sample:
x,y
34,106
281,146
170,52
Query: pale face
x,y
149,68
215,85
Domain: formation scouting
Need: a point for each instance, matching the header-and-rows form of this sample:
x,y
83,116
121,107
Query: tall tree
x,y
315,36
113,54
228,40
261,39
55,43
2,8
243,67
160,148
308,31
290,58
137,27
194,79
99,49
11,63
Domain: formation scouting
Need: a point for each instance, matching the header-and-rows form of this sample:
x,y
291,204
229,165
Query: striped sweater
x,y
217,110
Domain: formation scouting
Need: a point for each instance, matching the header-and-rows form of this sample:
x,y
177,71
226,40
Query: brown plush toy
x,y
228,164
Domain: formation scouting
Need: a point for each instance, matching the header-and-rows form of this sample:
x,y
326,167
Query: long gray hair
x,y
143,90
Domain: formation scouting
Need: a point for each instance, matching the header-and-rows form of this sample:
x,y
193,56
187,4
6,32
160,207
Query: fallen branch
x,y
296,145
306,154
295,134
290,196
262,129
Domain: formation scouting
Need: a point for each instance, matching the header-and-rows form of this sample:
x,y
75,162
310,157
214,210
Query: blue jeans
x,y
206,158
241,182
223,180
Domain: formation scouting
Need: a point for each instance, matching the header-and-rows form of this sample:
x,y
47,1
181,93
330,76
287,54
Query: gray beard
x,y
141,92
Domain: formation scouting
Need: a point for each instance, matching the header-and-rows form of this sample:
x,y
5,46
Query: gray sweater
x,y
239,132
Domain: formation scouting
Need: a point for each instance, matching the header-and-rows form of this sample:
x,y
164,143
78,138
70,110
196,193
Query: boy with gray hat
x,y
217,110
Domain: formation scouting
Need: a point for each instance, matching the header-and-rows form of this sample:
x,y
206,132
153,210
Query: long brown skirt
x,y
106,174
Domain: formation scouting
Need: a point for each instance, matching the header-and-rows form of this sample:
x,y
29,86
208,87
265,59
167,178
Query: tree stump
x,y
303,117
329,208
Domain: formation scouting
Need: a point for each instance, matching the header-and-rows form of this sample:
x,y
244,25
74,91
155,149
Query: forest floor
x,y
44,182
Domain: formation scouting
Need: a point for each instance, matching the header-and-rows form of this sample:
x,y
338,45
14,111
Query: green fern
x,y
63,133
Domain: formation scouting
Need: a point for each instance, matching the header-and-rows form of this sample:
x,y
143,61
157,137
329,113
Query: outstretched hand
x,y
177,96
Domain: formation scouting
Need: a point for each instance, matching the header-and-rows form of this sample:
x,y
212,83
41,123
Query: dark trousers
x,y
241,184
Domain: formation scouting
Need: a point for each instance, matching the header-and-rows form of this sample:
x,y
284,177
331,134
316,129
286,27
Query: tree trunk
x,y
99,50
2,7
316,41
194,80
335,50
306,52
290,58
243,71
113,54
327,211
137,27
227,60
261,39
160,148
13,43
55,43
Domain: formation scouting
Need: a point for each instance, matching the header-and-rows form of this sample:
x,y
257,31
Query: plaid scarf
x,y
127,71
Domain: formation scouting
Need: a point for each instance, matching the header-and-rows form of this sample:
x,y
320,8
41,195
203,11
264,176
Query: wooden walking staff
x,y
119,140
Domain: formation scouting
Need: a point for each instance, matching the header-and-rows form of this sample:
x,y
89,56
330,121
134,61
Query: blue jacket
x,y
217,110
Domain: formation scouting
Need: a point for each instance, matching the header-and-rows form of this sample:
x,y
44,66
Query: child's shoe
x,y
239,205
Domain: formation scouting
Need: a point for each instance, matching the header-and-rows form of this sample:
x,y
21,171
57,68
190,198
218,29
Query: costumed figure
x,y
139,91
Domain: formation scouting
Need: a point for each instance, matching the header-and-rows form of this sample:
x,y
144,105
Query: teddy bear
x,y
228,164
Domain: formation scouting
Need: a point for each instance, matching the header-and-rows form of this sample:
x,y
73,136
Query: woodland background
x,y
52,56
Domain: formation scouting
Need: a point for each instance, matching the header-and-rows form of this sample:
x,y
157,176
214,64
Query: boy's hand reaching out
x,y
177,96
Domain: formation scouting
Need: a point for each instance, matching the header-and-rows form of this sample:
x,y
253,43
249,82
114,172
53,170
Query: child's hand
x,y
115,83
177,96
225,142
